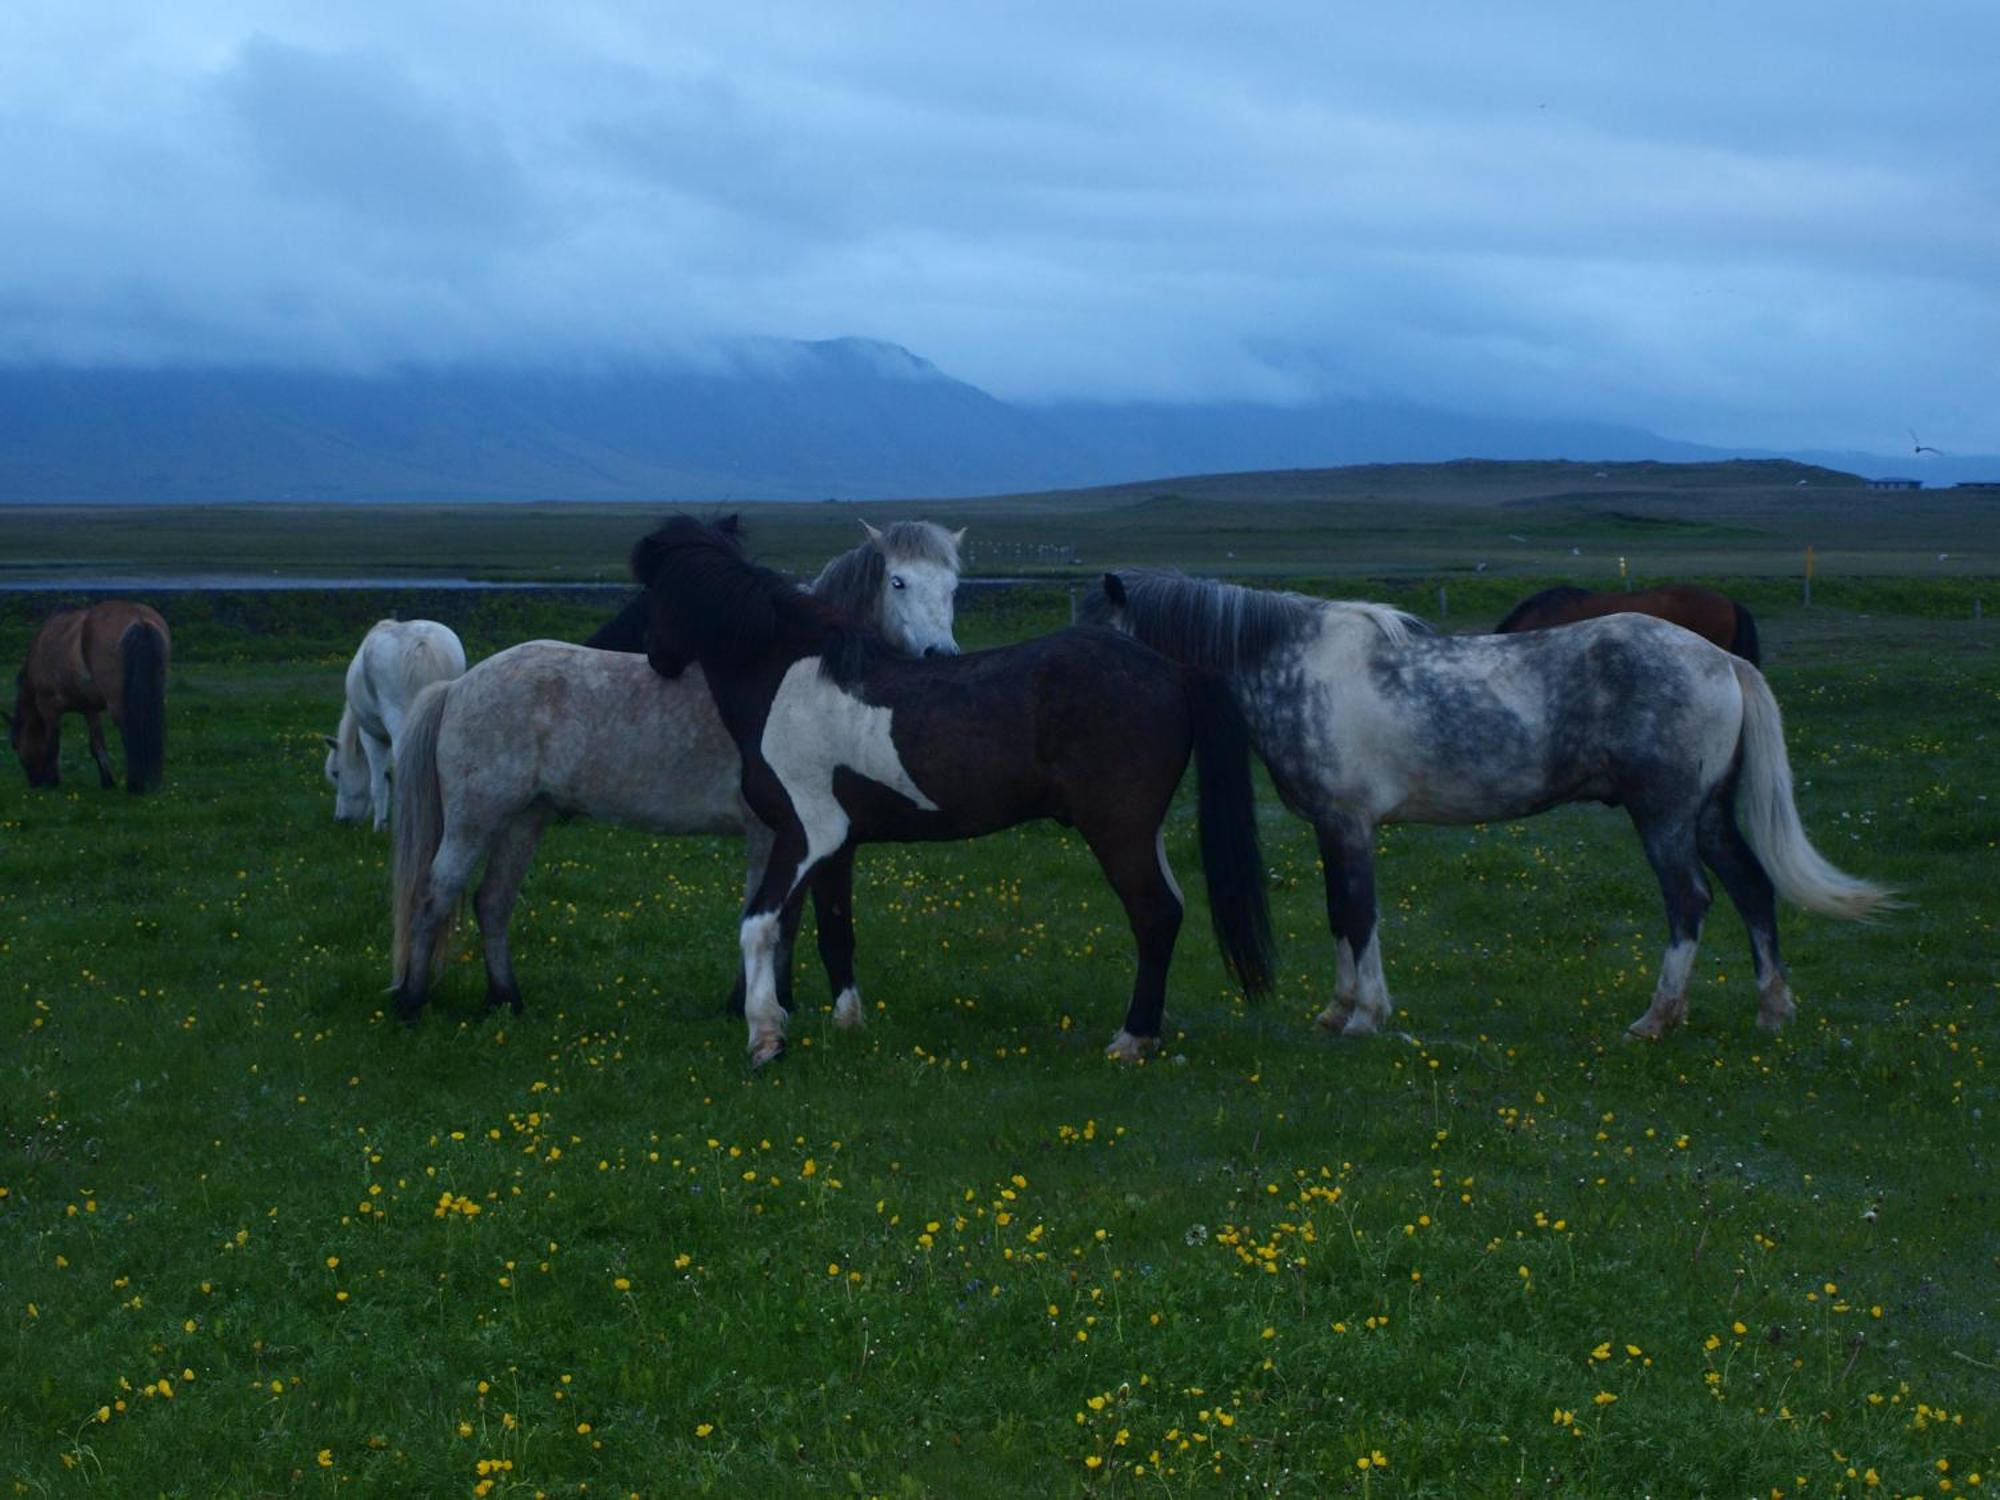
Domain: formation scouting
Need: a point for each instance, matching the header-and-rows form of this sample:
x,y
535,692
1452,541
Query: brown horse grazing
x,y
1712,616
84,660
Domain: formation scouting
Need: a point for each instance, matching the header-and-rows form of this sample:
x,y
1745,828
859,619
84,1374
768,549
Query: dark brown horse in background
x,y
1715,617
84,660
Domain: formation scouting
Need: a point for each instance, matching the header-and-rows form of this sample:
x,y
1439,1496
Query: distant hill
x,y
764,420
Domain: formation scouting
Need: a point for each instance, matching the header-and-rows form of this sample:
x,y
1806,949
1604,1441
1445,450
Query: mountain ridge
x,y
848,418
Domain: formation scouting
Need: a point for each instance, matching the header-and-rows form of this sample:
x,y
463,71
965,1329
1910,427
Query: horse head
x,y
909,575
707,602
347,770
28,736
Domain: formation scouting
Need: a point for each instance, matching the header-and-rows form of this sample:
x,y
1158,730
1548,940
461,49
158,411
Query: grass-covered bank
x,y
257,1238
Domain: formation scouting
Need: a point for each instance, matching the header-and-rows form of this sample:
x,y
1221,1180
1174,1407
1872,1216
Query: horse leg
x,y
50,772
99,751
756,855
833,908
1361,994
451,868
507,862
1671,850
1346,984
782,889
1134,861
379,761
1725,851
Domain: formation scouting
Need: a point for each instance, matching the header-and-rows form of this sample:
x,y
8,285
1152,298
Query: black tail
x,y
1745,645
143,711
1232,861
626,630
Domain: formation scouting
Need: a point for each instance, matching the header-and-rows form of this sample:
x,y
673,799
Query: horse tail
x,y
1232,861
142,711
419,821
1745,644
1770,817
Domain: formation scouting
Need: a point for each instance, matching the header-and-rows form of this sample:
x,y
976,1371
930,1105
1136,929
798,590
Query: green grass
x,y
1571,522
959,1252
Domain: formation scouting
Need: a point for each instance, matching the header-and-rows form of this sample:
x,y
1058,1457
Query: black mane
x,y
1221,626
1562,593
729,609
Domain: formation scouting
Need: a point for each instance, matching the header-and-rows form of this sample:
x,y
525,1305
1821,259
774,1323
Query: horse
x,y
843,744
899,583
1364,717
396,660
86,659
547,728
1710,615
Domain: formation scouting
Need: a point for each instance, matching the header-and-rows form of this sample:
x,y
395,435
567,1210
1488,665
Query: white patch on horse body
x,y
816,727
847,1011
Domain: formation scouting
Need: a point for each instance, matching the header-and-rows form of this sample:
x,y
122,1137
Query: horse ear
x,y
331,742
1114,589
873,535
958,536
731,525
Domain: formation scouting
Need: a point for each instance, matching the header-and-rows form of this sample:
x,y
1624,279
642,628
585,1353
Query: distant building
x,y
1978,484
1895,484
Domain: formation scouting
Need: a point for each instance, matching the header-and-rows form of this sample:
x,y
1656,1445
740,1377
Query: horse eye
x,y
896,581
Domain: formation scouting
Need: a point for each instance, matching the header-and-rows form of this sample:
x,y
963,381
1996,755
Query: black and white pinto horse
x,y
549,729
1364,717
842,744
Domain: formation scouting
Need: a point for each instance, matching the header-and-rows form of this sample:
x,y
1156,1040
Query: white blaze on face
x,y
816,726
917,607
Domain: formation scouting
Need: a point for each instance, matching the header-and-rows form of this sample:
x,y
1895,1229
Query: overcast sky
x,y
1748,223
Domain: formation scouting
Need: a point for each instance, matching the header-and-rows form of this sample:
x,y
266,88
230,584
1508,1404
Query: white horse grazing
x,y
549,728
397,660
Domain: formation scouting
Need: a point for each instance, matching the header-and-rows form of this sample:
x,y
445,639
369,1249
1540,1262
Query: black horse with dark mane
x,y
844,743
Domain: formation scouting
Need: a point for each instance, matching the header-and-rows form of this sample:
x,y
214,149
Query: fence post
x,y
1072,604
1443,608
1809,574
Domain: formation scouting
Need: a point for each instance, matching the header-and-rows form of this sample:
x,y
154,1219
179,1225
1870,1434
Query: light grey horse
x,y
1364,717
397,660
549,728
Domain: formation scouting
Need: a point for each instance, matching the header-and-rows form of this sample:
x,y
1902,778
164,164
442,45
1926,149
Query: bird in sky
x,y
1920,445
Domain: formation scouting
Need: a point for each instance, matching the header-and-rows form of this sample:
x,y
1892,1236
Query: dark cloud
x,y
1768,224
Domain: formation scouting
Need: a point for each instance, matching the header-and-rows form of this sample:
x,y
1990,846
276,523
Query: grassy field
x,y
256,1238
1446,521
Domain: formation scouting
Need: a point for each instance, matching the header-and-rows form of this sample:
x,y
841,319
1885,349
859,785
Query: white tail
x,y
419,821
1770,818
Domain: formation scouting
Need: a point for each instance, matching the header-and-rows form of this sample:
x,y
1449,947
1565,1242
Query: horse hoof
x,y
1775,1007
1126,1047
847,1012
1645,1029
